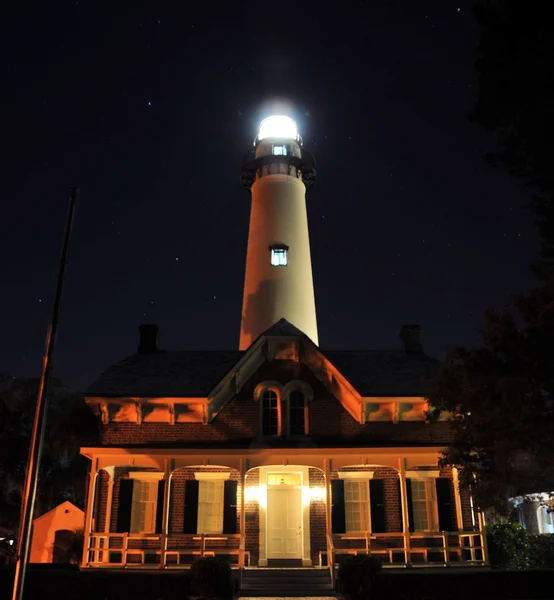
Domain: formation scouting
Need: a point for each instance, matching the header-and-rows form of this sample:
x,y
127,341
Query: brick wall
x,y
101,500
252,515
318,523
393,505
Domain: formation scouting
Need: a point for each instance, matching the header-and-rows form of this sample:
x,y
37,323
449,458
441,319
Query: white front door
x,y
284,522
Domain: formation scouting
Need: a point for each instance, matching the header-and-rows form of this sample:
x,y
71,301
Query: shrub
x,y
211,578
356,576
509,546
541,550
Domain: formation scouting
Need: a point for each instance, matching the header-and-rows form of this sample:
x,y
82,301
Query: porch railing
x,y
126,550
331,559
445,548
161,550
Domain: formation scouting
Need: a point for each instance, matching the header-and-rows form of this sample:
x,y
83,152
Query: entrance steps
x,y
286,582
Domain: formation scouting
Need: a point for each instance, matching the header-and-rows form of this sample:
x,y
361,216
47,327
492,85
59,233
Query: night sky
x,y
149,107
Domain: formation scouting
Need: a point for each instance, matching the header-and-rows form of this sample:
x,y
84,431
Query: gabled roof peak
x,y
283,328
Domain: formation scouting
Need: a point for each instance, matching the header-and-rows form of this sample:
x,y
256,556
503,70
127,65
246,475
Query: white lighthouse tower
x,y
278,282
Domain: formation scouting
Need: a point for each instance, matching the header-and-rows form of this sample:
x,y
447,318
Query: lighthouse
x,y
278,282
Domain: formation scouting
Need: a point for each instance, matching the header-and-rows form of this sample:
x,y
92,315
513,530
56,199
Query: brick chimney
x,y
411,339
148,343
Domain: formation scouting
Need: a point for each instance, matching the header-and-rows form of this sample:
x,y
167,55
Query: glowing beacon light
x,y
278,126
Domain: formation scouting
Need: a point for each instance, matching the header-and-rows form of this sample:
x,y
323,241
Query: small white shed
x,y
54,529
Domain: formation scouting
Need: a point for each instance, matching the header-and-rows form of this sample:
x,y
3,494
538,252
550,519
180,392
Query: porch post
x,y
168,472
457,500
404,506
107,523
167,492
88,512
328,524
242,517
483,536
327,472
472,506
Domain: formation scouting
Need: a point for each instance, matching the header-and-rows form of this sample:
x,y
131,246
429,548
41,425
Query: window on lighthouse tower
x,y
279,255
279,150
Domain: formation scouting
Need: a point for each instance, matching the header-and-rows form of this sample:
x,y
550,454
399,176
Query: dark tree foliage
x,y
70,425
501,412
499,395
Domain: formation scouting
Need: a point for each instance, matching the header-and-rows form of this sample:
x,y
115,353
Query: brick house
x,y
279,452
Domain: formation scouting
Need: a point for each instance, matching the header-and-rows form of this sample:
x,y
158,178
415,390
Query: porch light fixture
x,y
318,494
252,494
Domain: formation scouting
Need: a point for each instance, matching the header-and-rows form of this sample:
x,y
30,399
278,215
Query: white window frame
x,y
349,482
430,502
144,505
215,481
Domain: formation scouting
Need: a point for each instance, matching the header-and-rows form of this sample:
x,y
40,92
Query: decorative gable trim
x,y
308,353
332,379
231,384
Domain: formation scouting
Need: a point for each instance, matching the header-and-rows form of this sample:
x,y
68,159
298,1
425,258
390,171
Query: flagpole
x,y
39,423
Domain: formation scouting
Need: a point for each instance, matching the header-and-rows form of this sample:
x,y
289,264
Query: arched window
x,y
297,413
271,421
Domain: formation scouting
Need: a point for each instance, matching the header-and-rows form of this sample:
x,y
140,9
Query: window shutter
x,y
447,520
160,506
230,506
410,505
377,499
191,506
123,523
338,513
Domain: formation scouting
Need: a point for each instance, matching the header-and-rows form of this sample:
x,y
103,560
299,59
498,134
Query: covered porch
x,y
265,507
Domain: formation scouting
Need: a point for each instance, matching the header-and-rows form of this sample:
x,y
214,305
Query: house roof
x,y
194,373
188,373
385,372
